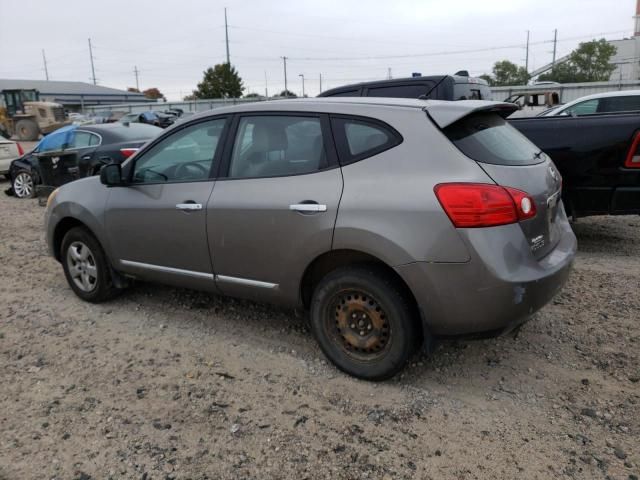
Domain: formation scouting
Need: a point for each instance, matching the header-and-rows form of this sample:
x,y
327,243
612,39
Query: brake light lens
x,y
633,157
475,205
20,149
127,152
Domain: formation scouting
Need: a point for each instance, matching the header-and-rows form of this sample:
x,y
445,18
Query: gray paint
x,y
253,245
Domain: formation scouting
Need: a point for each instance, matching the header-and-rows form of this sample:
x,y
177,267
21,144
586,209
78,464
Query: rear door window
x,y
488,138
348,93
619,104
588,107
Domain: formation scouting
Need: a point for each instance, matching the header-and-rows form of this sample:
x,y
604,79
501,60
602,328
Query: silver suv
x,y
392,221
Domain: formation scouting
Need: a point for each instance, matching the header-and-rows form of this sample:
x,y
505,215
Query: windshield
x,y
488,138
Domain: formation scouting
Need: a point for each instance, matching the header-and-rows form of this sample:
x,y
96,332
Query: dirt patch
x,y
169,383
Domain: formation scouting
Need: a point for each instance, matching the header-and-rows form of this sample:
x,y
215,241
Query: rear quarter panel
x,y
388,207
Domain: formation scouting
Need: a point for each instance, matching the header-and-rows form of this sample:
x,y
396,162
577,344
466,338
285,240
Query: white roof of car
x,y
595,96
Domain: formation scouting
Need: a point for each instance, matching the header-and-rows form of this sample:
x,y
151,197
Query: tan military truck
x,y
24,115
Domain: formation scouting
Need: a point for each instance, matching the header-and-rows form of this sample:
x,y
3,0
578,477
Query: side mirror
x,y
111,175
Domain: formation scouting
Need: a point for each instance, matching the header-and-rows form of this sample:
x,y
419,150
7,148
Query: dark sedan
x,y
85,149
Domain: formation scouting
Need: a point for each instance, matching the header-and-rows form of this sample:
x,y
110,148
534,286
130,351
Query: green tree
x,y
221,81
133,90
252,95
287,93
590,62
487,78
506,73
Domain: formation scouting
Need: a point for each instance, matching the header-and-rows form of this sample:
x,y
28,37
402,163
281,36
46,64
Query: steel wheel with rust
x,y
364,322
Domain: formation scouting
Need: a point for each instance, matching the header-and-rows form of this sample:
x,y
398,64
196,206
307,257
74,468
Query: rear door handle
x,y
189,206
308,207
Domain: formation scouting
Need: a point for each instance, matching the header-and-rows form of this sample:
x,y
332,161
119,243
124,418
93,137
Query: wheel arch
x,y
334,259
61,229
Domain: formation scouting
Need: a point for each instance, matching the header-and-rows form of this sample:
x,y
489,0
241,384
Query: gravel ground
x,y
164,383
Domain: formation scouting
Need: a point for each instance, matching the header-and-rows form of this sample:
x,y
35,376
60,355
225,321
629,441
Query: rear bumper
x,y
500,287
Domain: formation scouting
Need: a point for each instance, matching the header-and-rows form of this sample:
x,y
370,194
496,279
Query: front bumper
x,y
500,287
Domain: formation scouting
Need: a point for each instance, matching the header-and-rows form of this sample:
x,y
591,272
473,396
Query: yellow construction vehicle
x,y
24,115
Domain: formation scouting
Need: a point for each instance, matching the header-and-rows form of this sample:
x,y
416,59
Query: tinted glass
x,y
135,131
488,138
362,137
186,155
619,104
348,93
268,146
583,108
400,91
83,140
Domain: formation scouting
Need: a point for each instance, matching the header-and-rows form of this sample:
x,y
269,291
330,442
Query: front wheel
x,y
85,266
24,185
364,322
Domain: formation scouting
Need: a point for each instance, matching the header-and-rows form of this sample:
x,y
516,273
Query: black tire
x,y
27,130
101,287
23,184
386,325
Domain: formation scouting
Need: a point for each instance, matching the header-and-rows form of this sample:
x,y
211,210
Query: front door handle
x,y
308,207
189,206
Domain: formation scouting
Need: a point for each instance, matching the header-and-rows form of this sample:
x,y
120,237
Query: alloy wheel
x,y
23,185
82,266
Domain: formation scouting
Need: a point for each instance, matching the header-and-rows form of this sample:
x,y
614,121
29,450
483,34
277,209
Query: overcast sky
x,y
172,42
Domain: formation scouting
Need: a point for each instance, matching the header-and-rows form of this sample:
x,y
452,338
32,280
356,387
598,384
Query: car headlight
x,y
52,196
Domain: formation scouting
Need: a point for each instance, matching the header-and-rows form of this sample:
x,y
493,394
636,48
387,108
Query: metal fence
x,y
187,106
567,91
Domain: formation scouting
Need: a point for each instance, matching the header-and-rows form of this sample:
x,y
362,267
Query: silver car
x,y
392,221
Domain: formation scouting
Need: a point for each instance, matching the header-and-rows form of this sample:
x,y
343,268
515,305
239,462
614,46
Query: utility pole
x,y
526,65
266,85
555,45
93,70
389,73
302,76
44,59
226,35
284,61
136,72
320,83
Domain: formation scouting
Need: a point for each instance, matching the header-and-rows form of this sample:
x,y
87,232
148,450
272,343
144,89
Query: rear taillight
x,y
127,152
633,157
20,150
473,205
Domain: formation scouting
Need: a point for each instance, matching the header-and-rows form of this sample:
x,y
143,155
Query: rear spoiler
x,y
445,113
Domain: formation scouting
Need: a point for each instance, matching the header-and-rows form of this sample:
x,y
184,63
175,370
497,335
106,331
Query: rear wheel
x,y
365,324
24,185
85,266
27,130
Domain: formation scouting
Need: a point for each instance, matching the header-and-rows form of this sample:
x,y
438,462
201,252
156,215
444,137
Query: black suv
x,y
438,87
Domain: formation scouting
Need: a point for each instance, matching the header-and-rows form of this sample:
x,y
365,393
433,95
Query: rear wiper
x,y
538,155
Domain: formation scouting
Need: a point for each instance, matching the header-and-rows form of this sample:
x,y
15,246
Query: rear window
x,y
414,90
488,138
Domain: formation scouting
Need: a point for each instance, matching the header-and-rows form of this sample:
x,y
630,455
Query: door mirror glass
x,y
111,175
